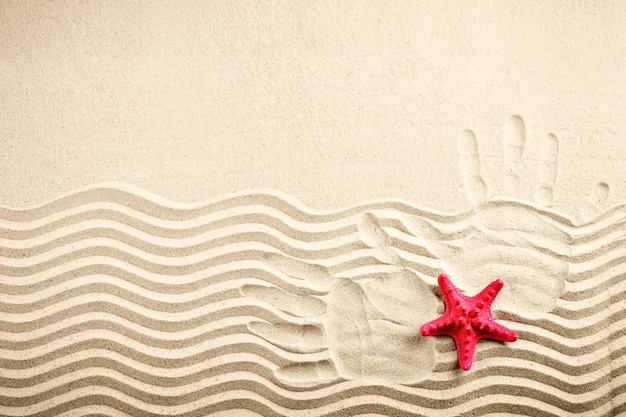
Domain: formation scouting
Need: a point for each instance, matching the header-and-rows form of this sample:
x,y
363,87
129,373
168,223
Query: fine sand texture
x,y
118,302
221,208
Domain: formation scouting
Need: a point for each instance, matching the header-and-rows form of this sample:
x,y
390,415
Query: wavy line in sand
x,y
251,250
493,364
615,316
158,321
618,248
584,343
570,320
609,255
124,196
88,362
128,217
213,276
155,206
243,385
588,286
566,353
160,247
209,346
123,218
576,308
181,395
34,307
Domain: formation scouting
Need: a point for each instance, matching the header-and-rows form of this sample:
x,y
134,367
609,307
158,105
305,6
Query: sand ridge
x,y
118,301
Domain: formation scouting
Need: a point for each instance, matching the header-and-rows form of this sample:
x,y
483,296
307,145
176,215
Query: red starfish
x,y
467,320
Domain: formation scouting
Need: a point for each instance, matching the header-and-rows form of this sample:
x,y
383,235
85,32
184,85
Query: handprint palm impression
x,y
364,323
508,237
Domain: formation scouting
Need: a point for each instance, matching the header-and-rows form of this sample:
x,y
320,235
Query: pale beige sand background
x,y
334,102
123,302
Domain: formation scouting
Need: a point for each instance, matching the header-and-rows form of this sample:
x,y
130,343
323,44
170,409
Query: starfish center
x,y
468,319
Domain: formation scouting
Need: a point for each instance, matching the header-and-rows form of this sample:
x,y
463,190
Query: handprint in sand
x,y
508,238
365,326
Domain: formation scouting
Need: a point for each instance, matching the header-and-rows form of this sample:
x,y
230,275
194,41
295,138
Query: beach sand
x,y
211,208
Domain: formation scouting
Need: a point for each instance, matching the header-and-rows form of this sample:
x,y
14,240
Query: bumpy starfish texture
x,y
468,319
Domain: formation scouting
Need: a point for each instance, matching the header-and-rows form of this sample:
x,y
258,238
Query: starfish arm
x,y
449,292
488,294
465,341
489,329
435,327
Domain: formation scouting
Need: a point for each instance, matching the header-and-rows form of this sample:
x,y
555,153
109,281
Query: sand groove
x,y
114,301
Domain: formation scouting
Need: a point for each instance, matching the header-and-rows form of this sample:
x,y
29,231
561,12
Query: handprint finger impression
x,y
292,337
514,139
590,208
548,171
296,305
469,164
365,327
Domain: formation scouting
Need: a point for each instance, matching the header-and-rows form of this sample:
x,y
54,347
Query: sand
x,y
212,209
117,301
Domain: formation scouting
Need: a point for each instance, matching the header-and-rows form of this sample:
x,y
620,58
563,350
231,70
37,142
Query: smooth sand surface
x,y
220,209
333,102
